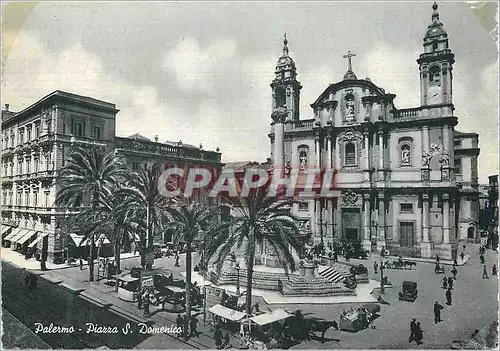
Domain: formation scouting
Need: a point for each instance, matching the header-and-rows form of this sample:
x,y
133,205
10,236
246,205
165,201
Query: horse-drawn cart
x,y
400,264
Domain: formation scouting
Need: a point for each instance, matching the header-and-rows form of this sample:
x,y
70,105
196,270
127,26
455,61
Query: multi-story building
x,y
493,211
35,145
407,180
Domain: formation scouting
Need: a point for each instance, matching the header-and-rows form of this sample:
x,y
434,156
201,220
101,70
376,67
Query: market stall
x,y
227,318
128,287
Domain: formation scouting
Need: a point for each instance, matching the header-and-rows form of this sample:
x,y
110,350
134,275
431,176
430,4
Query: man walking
x,y
448,297
194,326
413,327
375,267
177,259
450,283
419,334
485,272
494,270
180,324
81,264
454,272
437,312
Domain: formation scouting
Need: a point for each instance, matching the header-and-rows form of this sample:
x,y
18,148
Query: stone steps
x,y
333,275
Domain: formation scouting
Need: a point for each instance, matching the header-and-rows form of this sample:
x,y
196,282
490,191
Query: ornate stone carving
x,y
350,135
426,176
279,115
445,161
445,174
349,198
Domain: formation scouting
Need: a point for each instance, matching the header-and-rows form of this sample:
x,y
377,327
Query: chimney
x,y
6,107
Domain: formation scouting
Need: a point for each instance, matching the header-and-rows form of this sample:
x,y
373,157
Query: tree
x,y
187,220
260,219
143,203
89,174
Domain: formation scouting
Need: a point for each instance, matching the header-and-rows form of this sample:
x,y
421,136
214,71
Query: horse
x,y
321,326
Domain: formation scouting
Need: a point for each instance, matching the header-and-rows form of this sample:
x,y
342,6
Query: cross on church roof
x,y
348,57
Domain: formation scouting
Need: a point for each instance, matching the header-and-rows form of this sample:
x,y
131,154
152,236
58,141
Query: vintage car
x,y
408,292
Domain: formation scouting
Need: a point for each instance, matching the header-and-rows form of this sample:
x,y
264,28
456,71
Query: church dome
x,y
436,28
285,61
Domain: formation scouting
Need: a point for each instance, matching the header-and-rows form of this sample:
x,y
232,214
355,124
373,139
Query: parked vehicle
x,y
408,292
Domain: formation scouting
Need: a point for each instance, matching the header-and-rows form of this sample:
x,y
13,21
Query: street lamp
x,y
237,266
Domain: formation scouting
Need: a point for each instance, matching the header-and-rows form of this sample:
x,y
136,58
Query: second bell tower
x,y
285,87
436,64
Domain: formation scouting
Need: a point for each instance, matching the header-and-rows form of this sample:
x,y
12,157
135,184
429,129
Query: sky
x,y
200,71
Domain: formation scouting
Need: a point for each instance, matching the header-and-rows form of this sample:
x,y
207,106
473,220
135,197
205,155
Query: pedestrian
x,y
481,257
145,302
450,283
27,279
494,270
382,251
139,298
455,263
413,327
485,272
445,283
81,264
437,259
419,334
180,324
194,326
375,267
335,257
454,272
437,312
462,255
218,337
177,259
33,281
448,297
227,341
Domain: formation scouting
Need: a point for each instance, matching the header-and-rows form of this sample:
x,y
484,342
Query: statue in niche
x,y
426,159
303,159
349,107
405,154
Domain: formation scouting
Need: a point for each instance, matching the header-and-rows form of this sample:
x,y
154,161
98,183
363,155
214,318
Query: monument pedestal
x,y
425,250
367,245
308,269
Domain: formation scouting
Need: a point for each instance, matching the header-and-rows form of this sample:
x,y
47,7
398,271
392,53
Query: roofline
x,y
350,82
66,95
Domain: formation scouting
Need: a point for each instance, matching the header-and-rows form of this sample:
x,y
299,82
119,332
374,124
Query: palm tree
x,y
142,202
90,174
261,219
187,220
114,220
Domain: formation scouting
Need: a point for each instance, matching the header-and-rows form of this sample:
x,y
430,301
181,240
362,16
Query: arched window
x,y
434,74
434,45
405,154
303,159
350,154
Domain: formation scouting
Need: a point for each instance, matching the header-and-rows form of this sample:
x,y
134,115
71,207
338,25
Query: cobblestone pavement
x,y
474,305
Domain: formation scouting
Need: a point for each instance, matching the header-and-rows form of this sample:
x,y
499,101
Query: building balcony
x,y
303,125
7,152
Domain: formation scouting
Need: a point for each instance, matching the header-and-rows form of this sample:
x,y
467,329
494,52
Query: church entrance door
x,y
351,224
407,234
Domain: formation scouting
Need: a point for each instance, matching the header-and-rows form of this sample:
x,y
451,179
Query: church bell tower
x,y
285,87
436,64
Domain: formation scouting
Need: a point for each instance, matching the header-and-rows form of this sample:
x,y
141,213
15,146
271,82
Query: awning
x,y
37,240
13,234
78,240
127,278
268,318
5,229
22,232
26,237
227,313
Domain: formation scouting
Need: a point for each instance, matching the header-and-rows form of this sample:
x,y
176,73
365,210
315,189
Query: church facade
x,y
406,178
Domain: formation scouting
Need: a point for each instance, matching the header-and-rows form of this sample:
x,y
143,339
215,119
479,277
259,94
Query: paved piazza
x,y
474,305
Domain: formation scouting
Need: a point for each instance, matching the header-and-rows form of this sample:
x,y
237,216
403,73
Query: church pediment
x,y
324,98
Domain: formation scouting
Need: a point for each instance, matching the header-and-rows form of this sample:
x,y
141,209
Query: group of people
x,y
222,339
182,323
416,333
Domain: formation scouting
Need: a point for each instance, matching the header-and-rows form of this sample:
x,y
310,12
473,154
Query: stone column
x,y
317,209
329,147
381,222
318,151
279,152
425,245
366,170
446,218
367,245
446,139
381,149
329,221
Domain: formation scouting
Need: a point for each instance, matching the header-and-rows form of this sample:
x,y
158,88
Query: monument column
x,y
367,245
425,245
